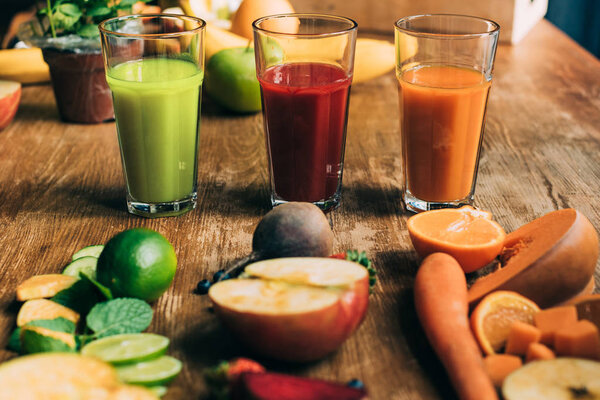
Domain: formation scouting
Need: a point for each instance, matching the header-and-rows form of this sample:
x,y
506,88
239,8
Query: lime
x,y
127,348
137,263
159,391
91,251
150,373
85,265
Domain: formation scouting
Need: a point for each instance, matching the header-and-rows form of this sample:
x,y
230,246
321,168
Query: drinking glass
x,y
304,64
154,68
444,69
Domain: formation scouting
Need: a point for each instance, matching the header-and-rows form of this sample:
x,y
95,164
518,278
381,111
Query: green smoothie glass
x,y
154,68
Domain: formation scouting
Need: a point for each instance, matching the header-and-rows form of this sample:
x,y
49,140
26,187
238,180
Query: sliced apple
x,y
295,309
10,95
561,378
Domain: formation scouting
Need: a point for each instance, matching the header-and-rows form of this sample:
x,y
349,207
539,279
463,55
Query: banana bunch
x,y
23,65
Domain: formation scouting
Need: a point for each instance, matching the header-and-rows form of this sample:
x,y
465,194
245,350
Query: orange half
x,y
468,235
493,316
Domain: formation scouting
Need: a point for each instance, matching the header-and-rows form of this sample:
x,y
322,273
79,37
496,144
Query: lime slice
x,y
89,251
159,391
150,373
85,265
127,348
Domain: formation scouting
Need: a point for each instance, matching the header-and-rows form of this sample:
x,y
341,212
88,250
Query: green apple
x,y
231,80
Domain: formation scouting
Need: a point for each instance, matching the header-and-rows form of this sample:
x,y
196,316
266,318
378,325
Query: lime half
x,y
150,373
89,251
127,348
85,264
159,391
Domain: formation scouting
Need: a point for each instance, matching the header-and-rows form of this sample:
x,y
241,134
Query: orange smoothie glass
x,y
444,69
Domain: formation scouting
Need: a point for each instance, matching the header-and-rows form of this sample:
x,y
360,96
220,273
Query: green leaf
x,y
98,11
14,342
34,342
101,288
123,315
88,31
125,4
59,324
81,296
362,259
69,9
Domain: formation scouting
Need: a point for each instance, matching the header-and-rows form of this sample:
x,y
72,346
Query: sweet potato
x,y
549,260
43,286
537,351
553,319
521,335
442,308
499,366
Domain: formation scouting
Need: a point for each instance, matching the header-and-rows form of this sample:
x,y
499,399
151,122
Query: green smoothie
x,y
157,108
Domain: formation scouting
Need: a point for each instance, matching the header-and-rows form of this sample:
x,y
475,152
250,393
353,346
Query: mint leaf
x,y
34,342
88,31
103,289
81,296
123,315
59,324
14,342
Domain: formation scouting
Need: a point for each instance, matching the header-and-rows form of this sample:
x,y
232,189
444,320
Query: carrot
x,y
442,307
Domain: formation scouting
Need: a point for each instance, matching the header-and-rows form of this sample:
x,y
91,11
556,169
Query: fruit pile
x,y
511,329
542,264
98,307
292,300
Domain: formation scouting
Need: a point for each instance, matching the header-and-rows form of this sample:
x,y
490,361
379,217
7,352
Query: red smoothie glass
x,y
304,63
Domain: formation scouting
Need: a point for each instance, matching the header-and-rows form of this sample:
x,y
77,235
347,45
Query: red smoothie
x,y
305,112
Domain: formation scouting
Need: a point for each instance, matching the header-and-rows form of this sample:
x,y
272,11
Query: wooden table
x,y
61,188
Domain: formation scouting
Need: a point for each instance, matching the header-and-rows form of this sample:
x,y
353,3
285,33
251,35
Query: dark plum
x,y
292,229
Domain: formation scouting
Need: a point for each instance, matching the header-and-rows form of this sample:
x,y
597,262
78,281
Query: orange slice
x,y
493,316
468,235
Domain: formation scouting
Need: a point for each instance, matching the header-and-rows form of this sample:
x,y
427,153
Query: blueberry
x,y
356,384
203,286
217,276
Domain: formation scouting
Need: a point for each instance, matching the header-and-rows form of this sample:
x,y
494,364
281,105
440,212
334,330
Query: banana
x,y
372,58
218,39
23,65
558,379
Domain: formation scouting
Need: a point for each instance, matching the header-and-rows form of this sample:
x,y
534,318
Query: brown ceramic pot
x,y
80,87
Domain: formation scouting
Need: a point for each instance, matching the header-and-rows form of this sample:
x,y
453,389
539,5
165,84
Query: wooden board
x,y
61,188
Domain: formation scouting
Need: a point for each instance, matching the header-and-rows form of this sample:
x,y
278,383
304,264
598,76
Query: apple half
x,y
10,95
294,309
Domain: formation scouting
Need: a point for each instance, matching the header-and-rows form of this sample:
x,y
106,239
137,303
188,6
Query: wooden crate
x,y
516,17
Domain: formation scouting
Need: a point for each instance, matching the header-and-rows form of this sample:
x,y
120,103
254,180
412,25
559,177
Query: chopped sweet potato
x,y
553,319
521,335
537,351
43,286
579,340
44,309
499,366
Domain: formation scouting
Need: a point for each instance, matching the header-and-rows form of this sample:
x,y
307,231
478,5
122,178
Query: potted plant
x,y
67,32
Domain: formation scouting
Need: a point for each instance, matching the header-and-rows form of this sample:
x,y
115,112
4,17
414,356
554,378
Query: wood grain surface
x,y
61,188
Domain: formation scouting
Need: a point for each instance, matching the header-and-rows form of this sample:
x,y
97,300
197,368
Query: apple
x,y
10,95
294,309
231,80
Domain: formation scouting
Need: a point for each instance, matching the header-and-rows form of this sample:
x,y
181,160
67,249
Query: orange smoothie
x,y
442,110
